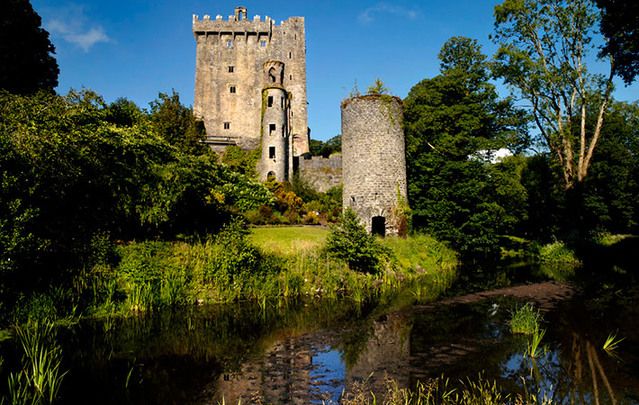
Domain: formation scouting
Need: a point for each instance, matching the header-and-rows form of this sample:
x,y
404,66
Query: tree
x,y
454,194
544,46
26,53
349,241
176,124
620,26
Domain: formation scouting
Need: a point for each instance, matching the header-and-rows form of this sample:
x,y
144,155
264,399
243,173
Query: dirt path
x,y
545,295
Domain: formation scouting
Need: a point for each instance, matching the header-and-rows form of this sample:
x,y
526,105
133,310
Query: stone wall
x,y
229,76
321,173
373,153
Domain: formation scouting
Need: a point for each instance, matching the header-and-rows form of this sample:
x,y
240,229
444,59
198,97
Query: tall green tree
x,y
620,25
544,47
26,53
176,123
453,121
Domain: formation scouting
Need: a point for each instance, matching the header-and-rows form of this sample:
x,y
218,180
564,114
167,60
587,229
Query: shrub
x,y
525,320
557,252
349,241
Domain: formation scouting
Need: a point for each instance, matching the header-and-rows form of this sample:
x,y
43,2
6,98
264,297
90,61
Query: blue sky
x,y
137,48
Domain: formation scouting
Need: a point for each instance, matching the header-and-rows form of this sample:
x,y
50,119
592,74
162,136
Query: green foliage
x,y
525,320
377,88
448,119
26,53
619,26
533,345
325,149
612,343
176,124
73,168
544,49
422,254
41,376
441,391
241,161
349,241
557,253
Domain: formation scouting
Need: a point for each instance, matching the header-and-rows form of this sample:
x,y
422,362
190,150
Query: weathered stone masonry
x,y
374,161
237,61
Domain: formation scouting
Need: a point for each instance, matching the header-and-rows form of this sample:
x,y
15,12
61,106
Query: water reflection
x,y
304,353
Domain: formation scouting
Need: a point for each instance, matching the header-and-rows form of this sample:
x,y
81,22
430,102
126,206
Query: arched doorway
x,y
378,226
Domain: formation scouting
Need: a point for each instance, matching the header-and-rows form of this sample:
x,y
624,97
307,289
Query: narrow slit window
x,y
270,101
271,152
271,129
282,102
290,55
231,69
232,89
227,125
229,43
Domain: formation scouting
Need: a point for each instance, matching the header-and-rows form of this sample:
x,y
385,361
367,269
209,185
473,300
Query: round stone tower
x,y
374,162
275,130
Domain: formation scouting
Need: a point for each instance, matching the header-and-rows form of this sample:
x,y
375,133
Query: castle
x,y
250,91
250,87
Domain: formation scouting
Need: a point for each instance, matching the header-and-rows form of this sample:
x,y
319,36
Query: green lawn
x,y
288,240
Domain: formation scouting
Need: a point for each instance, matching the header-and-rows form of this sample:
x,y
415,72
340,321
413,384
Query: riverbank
x,y
258,265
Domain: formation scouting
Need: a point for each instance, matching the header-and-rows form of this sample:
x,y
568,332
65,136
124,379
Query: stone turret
x,y
276,156
374,162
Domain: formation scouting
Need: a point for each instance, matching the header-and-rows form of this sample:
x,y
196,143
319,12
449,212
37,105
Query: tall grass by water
x,y
39,380
273,263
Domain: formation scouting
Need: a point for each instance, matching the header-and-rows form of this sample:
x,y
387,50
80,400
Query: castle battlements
x,y
250,86
220,25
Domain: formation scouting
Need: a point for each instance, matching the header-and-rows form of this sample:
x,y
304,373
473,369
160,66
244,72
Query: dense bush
x,y
349,241
73,167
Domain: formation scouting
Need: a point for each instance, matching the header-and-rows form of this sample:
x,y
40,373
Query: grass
x,y
288,240
612,343
440,391
525,320
608,239
41,376
265,264
558,253
533,346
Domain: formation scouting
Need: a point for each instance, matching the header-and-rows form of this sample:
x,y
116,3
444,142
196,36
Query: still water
x,y
309,352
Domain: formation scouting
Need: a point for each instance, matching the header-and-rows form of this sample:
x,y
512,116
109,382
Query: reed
x,y
525,320
41,376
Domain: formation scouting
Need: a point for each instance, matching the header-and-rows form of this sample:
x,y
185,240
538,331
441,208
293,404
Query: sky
x,y
139,48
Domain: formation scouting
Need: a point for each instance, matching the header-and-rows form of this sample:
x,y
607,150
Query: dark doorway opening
x,y
378,226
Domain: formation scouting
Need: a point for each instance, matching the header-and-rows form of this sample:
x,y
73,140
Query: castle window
x,y
229,43
271,152
271,129
290,55
227,125
231,69
263,44
282,102
270,101
232,89
290,77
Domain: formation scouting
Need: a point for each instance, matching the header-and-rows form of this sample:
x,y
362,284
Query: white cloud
x,y
368,16
70,23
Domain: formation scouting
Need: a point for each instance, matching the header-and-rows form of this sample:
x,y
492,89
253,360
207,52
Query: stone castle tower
x,y
374,161
250,87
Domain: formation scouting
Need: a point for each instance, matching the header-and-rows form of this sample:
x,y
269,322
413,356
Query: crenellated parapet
x,y
241,63
240,24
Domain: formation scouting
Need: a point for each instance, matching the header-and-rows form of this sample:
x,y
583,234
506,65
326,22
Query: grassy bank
x,y
263,264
